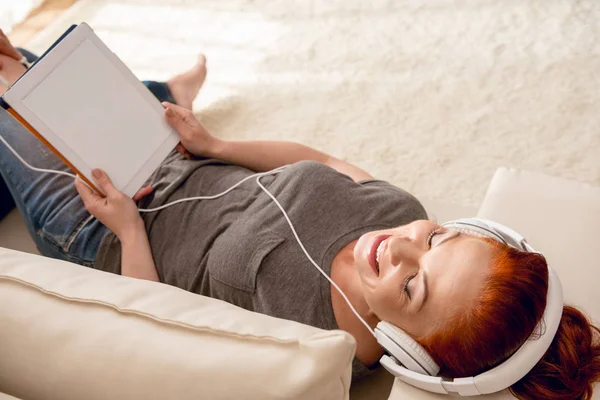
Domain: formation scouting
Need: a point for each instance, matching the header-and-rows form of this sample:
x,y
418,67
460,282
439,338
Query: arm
x,y
120,214
266,155
256,155
136,257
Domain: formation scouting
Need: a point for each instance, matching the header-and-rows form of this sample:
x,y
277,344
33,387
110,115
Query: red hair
x,y
505,314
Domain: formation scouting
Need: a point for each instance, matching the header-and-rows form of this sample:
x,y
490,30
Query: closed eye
x,y
406,290
431,235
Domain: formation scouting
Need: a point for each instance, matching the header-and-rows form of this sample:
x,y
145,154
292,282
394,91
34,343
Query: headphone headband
x,y
525,358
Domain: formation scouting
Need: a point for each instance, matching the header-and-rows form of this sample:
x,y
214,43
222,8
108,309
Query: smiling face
x,y
417,275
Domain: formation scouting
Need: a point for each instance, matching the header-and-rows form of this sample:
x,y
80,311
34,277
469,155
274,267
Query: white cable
x,y
310,258
257,176
274,171
50,171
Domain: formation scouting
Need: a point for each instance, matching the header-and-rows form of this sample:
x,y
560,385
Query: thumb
x,y
174,119
90,199
180,118
104,182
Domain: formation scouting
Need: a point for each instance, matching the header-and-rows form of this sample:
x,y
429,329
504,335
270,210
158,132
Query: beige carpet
x,y
432,95
38,19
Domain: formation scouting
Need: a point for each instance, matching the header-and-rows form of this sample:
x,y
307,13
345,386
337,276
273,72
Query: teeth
x,y
379,250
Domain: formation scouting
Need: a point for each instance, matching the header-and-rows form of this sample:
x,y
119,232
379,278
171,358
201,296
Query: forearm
x,y
255,155
136,257
265,155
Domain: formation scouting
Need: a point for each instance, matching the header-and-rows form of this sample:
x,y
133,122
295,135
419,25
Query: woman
x,y
454,292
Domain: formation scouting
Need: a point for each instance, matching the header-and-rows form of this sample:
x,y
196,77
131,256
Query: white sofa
x,y
67,332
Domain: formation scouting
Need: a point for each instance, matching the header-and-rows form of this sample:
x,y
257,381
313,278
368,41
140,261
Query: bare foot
x,y
185,87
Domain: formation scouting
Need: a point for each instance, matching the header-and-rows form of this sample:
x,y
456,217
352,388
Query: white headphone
x,y
410,362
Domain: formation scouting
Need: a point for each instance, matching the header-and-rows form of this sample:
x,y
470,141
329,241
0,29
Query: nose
x,y
404,251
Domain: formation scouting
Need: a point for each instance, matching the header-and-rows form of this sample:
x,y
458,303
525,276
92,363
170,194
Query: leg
x,y
160,90
181,89
6,201
54,213
50,205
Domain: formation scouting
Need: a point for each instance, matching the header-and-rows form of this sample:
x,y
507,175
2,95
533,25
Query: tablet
x,y
82,102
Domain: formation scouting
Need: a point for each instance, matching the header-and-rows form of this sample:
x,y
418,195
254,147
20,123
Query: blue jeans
x,y
53,211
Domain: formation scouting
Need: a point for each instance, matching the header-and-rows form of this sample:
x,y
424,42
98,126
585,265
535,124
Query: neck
x,y
345,275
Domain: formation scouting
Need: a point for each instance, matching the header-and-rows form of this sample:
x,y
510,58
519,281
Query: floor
x,y
432,96
39,19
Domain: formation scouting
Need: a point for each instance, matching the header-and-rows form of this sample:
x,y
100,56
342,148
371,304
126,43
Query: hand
x,y
8,49
194,137
117,211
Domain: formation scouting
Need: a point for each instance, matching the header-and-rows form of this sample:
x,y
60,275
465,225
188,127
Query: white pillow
x,y
70,332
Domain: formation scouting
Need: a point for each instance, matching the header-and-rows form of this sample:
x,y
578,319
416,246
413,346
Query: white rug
x,y
432,95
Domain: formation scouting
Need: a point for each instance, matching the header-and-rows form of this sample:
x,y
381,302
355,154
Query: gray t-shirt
x,y
240,249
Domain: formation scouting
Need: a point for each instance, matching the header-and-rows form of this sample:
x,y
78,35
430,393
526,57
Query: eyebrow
x,y
425,285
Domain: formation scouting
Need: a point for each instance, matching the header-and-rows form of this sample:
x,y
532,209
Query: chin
x,y
368,284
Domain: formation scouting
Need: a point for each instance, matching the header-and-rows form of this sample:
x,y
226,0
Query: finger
x,y
143,192
8,49
183,113
183,151
89,197
104,182
176,120
182,119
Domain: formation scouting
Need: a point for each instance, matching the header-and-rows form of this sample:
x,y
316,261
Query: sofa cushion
x,y
69,332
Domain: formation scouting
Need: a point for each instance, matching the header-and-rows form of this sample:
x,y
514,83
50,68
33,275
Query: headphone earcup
x,y
405,349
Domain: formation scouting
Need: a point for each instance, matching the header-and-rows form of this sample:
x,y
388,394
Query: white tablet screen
x,y
77,102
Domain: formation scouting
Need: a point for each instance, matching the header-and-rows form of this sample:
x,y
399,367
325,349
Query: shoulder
x,y
402,206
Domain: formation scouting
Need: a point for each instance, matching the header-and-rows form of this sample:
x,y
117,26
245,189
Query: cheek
x,y
385,301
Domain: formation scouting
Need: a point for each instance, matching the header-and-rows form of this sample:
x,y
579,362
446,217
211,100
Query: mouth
x,y
375,252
